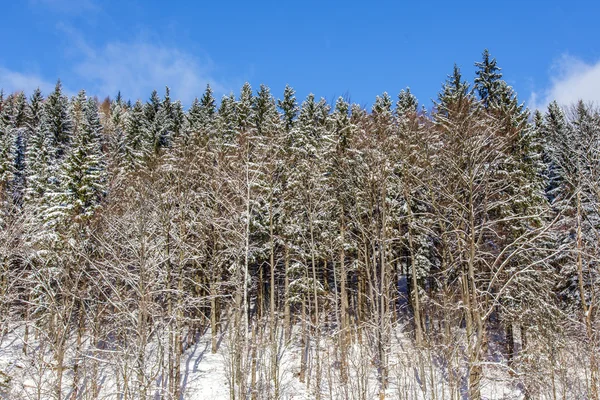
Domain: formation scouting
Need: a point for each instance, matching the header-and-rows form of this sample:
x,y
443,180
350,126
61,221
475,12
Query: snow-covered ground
x,y
205,375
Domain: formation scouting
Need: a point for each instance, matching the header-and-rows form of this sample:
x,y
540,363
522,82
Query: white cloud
x,y
136,68
573,80
133,67
12,81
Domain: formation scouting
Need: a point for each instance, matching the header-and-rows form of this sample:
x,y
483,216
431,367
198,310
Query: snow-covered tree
x,y
137,141
82,172
57,121
289,107
488,81
226,120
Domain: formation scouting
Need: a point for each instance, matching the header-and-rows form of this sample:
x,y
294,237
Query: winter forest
x,y
255,248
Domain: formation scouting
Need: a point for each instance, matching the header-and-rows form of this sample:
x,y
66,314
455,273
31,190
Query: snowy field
x,y
205,375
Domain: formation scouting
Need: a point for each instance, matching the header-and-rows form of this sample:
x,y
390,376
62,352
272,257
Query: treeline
x,y
130,230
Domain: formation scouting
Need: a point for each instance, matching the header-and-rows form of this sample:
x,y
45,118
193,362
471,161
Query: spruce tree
x,y
227,120
163,123
178,121
265,112
245,109
488,81
20,126
454,94
208,104
194,118
7,155
39,151
288,107
82,173
407,103
114,132
202,115
137,141
58,121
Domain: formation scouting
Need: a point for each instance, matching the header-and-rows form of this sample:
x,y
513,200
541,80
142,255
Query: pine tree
x,y
82,173
155,120
208,104
137,142
35,109
522,204
114,132
41,176
407,103
307,209
466,174
488,81
7,155
266,117
454,94
227,120
382,106
245,109
152,106
13,136
178,120
289,108
194,118
39,153
20,126
58,121
340,174
159,115
201,117
35,116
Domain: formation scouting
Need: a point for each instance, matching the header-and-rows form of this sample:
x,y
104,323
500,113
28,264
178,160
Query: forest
x,y
313,250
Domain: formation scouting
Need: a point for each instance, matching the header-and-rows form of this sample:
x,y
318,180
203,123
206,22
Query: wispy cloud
x,y
133,67
573,79
136,68
12,81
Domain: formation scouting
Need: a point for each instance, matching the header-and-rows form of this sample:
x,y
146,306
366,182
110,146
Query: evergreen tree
x,y
488,81
7,153
57,121
289,108
454,94
155,120
342,125
39,151
202,115
407,103
13,134
114,131
82,173
227,120
208,104
265,113
35,109
555,134
165,123
20,125
307,204
137,142
159,115
194,117
152,106
178,120
382,106
245,109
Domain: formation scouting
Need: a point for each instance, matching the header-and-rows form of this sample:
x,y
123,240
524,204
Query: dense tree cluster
x,y
129,230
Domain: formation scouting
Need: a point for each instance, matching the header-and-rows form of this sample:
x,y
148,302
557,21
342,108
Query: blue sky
x,y
546,49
